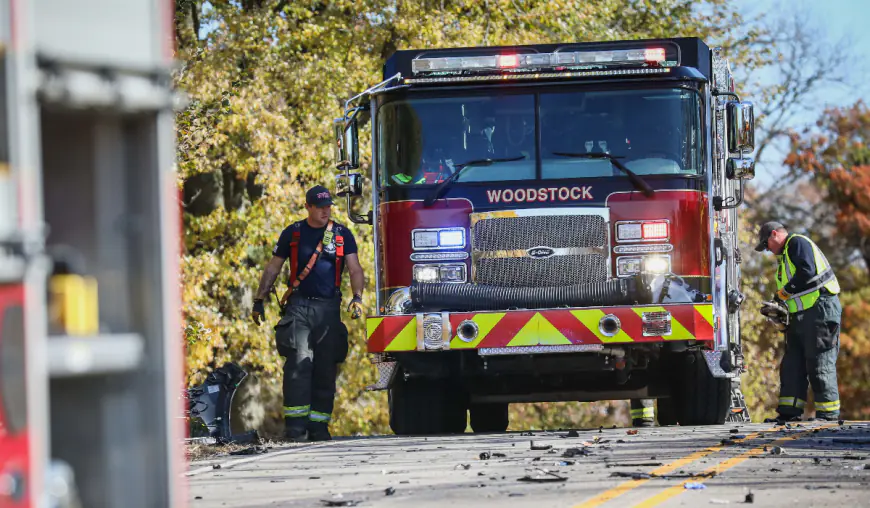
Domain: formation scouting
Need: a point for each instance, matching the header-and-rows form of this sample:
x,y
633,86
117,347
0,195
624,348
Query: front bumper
x,y
538,331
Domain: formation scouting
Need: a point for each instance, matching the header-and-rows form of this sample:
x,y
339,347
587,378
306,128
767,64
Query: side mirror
x,y
346,142
349,185
741,127
740,169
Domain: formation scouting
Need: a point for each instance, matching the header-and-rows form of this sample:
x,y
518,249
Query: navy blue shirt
x,y
801,254
320,282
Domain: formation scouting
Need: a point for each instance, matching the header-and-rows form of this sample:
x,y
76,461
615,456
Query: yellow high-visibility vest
x,y
824,278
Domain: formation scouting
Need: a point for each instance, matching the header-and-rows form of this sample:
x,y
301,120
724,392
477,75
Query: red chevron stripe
x,y
703,329
570,327
506,329
387,331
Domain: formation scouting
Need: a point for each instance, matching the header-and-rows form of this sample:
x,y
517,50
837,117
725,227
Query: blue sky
x,y
836,19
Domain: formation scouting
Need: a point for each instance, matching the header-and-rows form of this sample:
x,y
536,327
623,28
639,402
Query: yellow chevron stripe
x,y
538,331
485,323
678,331
590,319
406,340
706,311
372,325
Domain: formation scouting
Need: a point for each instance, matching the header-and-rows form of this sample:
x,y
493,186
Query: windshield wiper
x,y
635,180
442,187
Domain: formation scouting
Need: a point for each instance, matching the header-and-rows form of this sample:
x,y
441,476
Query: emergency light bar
x,y
532,61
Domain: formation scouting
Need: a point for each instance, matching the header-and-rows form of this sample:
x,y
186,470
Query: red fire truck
x,y
91,357
553,222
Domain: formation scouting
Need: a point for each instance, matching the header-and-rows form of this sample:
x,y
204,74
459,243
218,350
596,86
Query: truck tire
x,y
424,406
489,417
701,399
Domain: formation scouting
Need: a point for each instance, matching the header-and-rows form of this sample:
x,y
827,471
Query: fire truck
x,y
91,357
553,222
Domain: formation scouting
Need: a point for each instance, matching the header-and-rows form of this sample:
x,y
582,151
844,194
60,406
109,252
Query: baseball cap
x,y
766,229
318,196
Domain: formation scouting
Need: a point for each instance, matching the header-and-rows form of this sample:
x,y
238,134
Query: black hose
x,y
468,297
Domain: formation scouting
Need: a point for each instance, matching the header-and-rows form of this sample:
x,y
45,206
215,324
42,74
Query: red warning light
x,y
654,54
508,61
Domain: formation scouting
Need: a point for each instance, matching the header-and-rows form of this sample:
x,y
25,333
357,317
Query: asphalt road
x,y
805,464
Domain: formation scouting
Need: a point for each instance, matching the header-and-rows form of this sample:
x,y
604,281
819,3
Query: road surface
x,y
805,464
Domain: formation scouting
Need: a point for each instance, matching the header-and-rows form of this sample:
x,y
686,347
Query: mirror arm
x,y
733,202
717,93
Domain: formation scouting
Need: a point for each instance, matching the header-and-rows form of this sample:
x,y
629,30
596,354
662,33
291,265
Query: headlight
x,y
626,265
452,272
438,238
630,231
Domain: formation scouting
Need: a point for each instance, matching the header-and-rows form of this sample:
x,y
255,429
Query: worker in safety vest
x,y
807,285
310,335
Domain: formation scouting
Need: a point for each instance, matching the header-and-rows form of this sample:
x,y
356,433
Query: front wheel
x,y
489,417
426,406
700,398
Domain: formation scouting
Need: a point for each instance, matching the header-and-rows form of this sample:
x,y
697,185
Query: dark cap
x,y
766,229
318,196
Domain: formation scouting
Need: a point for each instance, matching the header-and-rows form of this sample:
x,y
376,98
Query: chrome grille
x,y
577,244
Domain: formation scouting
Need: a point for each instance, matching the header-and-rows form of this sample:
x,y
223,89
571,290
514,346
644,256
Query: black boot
x,y
642,422
294,432
318,432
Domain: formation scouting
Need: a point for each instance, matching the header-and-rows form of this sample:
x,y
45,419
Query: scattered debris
x,y
817,460
499,455
216,466
852,440
628,474
619,441
527,433
750,498
198,497
573,433
636,464
853,457
719,501
738,436
778,450
485,456
481,473
340,502
694,486
775,470
313,477
543,476
817,487
574,452
734,430
631,432
389,491
841,422
251,450
533,446
276,481
515,494
463,466
564,463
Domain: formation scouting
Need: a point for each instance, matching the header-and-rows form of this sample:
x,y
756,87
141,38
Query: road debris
x,y
720,501
527,433
572,433
735,430
499,455
463,466
750,498
633,476
543,476
635,464
853,457
852,440
338,500
534,446
778,450
576,452
251,450
389,491
485,456
631,432
216,466
694,486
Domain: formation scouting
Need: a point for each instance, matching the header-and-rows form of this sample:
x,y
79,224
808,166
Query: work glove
x,y
355,307
258,311
777,313
781,295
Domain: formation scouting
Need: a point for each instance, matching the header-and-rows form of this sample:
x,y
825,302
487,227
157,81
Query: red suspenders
x,y
294,260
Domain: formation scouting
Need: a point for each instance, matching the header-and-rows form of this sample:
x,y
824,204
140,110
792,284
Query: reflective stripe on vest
x,y
824,278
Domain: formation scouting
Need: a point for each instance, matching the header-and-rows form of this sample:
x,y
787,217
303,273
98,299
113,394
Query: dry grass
x,y
199,452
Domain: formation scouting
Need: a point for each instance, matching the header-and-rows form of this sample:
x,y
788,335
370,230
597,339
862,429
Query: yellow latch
x,y
74,307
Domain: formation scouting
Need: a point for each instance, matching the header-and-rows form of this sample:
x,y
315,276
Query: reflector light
x,y
508,61
654,54
655,230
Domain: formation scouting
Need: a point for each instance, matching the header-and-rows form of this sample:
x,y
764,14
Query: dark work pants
x,y
643,411
811,349
313,341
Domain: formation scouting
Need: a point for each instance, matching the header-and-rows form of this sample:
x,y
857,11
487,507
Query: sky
x,y
836,19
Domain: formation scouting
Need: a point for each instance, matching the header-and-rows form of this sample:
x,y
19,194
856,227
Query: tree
x,y
265,79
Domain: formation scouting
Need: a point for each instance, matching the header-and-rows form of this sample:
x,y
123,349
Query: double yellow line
x,y
675,490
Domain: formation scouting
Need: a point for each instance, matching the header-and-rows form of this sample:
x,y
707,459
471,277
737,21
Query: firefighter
x,y
806,284
310,335
643,412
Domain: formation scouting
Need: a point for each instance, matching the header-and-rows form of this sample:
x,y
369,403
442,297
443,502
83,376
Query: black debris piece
x,y
575,452
817,487
216,466
632,475
276,481
499,455
389,491
527,433
485,456
533,446
841,422
340,502
542,476
734,430
198,497
775,470
854,457
618,441
636,464
313,477
573,433
251,450
405,481
481,473
750,498
462,466
515,494
852,440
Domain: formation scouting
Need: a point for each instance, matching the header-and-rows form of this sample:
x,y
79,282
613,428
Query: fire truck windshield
x,y
652,132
